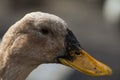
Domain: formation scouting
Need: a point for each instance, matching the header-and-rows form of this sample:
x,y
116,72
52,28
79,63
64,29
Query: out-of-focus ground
x,y
98,33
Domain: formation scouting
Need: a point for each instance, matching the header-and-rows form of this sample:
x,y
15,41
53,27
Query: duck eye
x,y
44,31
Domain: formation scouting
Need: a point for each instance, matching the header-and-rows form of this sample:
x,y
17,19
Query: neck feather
x,y
13,70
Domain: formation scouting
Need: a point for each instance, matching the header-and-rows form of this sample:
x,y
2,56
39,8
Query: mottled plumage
x,y
43,38
36,38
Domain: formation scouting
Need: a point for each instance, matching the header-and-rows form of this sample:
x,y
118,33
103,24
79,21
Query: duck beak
x,y
80,60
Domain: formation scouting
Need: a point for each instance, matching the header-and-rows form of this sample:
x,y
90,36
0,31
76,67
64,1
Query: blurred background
x,y
96,23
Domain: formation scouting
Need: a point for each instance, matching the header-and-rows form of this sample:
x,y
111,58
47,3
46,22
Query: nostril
x,y
77,53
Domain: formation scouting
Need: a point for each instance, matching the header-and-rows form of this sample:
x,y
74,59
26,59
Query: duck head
x,y
45,38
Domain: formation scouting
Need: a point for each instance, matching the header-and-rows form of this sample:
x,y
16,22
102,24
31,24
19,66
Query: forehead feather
x,y
40,16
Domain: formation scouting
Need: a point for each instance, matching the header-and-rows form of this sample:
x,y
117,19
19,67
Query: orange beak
x,y
80,60
87,64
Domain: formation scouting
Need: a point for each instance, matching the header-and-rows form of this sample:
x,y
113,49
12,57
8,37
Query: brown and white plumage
x,y
42,38
36,38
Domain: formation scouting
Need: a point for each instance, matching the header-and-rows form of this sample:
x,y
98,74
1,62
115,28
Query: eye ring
x,y
44,31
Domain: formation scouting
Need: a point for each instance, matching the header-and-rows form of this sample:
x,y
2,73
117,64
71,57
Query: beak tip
x,y
109,71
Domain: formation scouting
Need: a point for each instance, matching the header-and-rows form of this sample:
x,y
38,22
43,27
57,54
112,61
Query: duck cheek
x,y
53,50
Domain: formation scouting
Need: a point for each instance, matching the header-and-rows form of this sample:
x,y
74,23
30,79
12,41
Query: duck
x,y
40,38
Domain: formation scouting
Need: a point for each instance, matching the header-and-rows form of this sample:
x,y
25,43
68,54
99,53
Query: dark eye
x,y
44,31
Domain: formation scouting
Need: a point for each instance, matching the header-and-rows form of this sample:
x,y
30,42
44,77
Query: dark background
x,y
96,27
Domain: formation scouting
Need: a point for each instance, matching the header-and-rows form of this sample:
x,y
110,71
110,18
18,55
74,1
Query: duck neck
x,y
14,70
